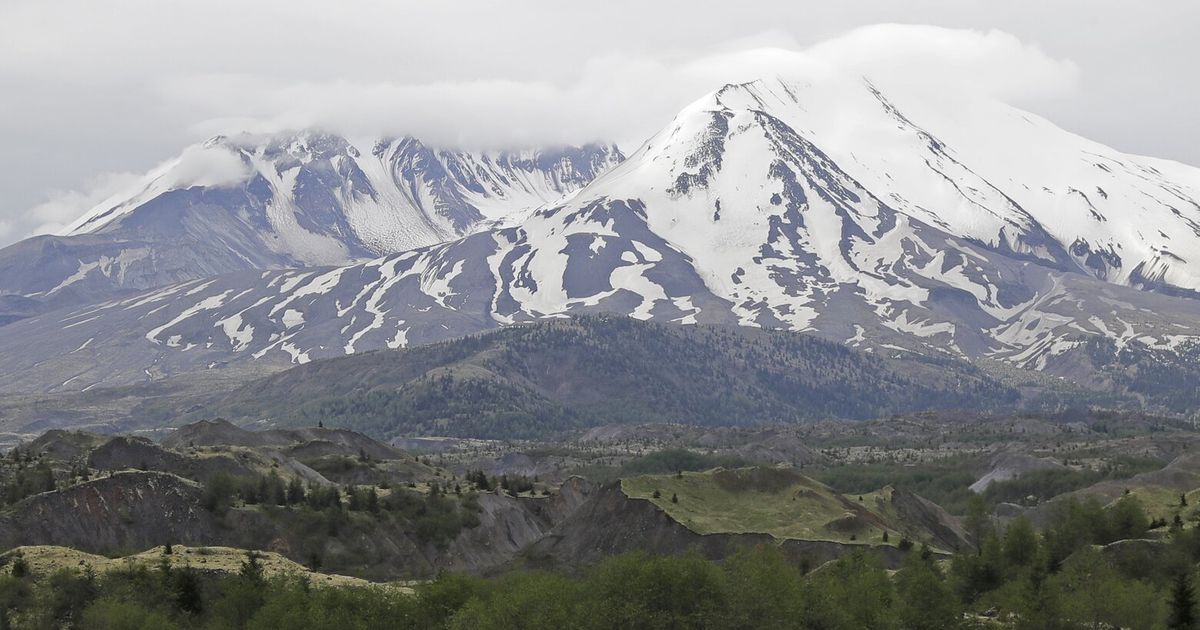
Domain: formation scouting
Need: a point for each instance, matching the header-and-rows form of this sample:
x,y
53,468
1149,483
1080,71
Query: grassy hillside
x,y
46,559
783,503
537,379
1158,492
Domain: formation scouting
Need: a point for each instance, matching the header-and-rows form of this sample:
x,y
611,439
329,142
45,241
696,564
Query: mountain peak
x,y
290,199
878,220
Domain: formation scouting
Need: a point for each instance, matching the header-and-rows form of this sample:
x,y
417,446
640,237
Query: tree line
x,y
756,588
435,516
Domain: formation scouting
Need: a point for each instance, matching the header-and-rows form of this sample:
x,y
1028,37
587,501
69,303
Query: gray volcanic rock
x,y
65,446
125,453
217,432
126,510
1005,466
944,529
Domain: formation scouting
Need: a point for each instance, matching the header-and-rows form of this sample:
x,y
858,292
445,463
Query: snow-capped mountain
x,y
290,200
828,208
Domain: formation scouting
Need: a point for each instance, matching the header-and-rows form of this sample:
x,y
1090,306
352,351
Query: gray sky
x,y
93,93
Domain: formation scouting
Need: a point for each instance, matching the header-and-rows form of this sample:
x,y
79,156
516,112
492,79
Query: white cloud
x,y
61,207
83,95
196,165
622,97
206,166
930,58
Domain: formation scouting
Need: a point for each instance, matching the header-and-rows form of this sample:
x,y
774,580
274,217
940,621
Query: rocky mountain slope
x,y
885,222
290,200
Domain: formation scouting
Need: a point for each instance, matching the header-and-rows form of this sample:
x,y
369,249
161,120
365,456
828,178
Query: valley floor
x,y
993,517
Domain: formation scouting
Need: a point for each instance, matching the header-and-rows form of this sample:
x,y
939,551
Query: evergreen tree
x,y
1183,604
295,491
1128,519
356,501
977,522
276,490
188,595
164,567
1038,602
372,501
252,570
925,601
262,493
1020,543
1094,594
20,568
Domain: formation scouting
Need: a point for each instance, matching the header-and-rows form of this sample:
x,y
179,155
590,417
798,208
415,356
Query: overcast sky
x,y
93,93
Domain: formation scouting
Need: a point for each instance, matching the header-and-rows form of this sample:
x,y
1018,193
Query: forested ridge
x,y
536,379
1170,378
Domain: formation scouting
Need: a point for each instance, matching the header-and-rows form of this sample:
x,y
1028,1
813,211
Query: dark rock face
x,y
127,510
125,453
946,531
65,446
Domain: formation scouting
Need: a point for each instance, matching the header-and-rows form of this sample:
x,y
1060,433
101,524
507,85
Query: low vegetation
x,y
1041,485
1015,579
947,481
435,516
776,501
1109,552
659,462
